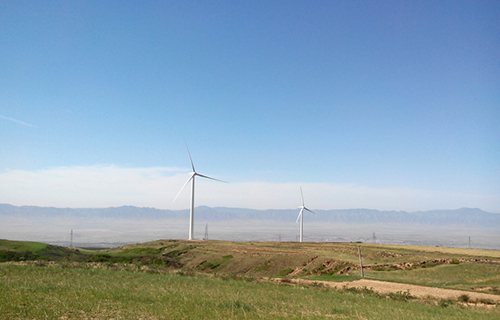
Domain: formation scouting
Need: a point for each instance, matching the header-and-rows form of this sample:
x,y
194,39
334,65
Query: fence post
x,y
360,262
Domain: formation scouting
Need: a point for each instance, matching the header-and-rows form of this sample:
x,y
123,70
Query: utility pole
x,y
361,262
71,241
374,237
469,244
206,232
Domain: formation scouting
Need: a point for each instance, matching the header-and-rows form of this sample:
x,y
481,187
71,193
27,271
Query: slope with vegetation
x,y
228,280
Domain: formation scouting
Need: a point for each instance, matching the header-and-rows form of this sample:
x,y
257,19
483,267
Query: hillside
x,y
28,250
451,268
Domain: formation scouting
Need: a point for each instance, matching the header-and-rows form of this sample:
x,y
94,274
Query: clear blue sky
x,y
379,104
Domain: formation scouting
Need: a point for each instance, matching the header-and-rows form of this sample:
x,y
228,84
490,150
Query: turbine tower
x,y
191,178
301,215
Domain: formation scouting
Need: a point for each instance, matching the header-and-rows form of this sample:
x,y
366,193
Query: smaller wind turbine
x,y
301,215
191,178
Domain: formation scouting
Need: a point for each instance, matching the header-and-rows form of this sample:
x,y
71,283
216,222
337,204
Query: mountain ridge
x,y
464,216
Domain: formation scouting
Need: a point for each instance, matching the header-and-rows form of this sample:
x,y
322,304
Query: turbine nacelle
x,y
302,208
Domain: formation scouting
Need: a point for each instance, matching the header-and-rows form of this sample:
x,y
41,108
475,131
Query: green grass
x,y
22,245
39,251
54,292
317,261
137,281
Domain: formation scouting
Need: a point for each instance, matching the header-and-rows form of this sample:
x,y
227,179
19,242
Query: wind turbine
x,y
301,215
191,178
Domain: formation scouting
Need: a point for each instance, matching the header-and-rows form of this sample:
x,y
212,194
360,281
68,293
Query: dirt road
x,y
415,290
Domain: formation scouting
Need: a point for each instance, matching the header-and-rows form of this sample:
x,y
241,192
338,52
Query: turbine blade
x,y
207,177
190,159
309,210
302,196
185,184
298,217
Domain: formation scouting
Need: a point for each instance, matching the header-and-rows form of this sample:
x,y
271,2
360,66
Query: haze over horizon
x,y
387,106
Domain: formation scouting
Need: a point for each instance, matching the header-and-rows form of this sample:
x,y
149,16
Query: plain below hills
x,y
116,226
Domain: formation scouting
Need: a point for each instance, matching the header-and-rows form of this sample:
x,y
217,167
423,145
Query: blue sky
x,y
391,105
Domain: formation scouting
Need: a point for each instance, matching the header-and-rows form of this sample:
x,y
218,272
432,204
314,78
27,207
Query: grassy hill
x,y
434,266
465,269
26,250
168,279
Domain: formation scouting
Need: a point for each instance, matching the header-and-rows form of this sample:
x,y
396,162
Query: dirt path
x,y
415,290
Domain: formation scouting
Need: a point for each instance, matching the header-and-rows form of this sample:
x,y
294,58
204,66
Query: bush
x,y
386,268
401,296
101,257
464,298
7,255
362,291
429,264
445,303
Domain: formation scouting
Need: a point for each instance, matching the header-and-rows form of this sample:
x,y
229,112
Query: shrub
x,y
7,255
445,303
362,291
454,261
429,264
101,257
401,296
464,298
386,268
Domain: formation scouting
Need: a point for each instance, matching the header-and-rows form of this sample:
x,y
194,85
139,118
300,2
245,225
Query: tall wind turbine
x,y
191,178
301,215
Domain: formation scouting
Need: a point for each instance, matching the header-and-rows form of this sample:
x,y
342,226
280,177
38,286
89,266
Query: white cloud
x,y
105,186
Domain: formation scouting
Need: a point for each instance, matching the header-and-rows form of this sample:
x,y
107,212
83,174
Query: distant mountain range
x,y
469,217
